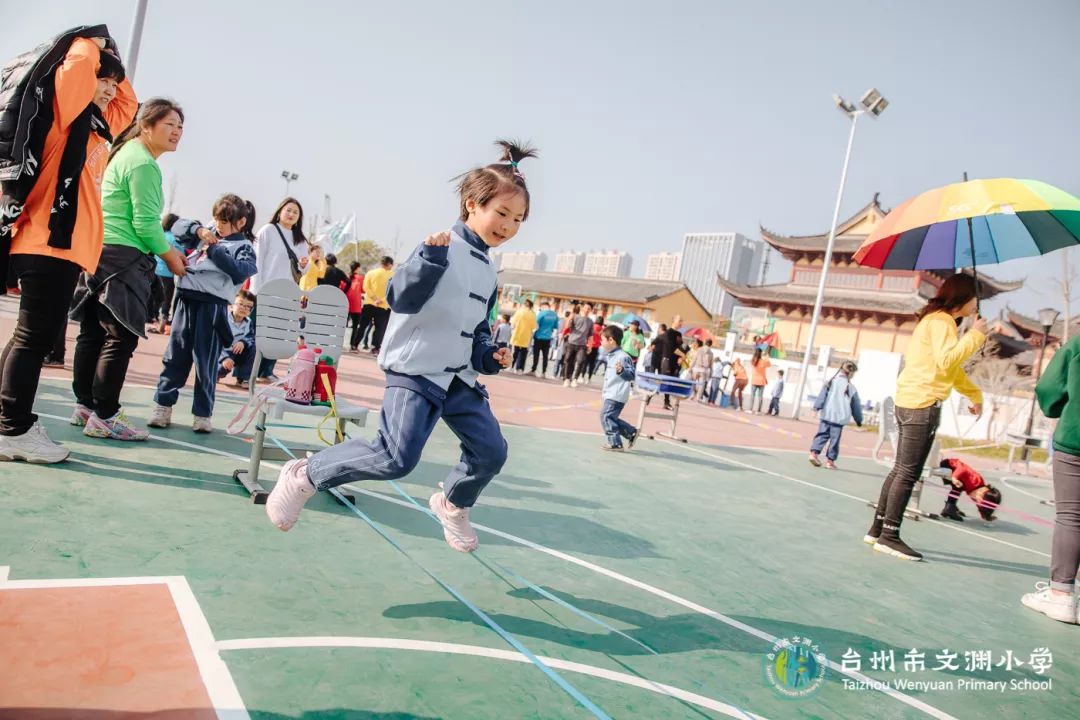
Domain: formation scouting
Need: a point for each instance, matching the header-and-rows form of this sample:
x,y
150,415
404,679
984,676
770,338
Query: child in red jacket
x,y
966,479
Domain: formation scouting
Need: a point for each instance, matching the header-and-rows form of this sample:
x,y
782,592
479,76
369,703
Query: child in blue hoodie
x,y
617,378
223,259
437,344
837,403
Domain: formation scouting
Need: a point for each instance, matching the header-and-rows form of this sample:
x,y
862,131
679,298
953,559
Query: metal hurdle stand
x,y
646,387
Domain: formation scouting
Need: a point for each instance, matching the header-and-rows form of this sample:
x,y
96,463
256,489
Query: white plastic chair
x,y
285,316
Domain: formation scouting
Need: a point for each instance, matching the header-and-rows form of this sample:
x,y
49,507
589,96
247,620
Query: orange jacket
x,y
76,84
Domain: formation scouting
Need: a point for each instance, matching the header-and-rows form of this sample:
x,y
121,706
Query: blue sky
x,y
653,119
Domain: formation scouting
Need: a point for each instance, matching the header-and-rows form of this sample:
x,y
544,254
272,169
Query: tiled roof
x,y
574,285
1029,326
838,298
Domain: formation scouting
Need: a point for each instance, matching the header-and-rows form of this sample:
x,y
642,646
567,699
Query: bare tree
x,y
998,378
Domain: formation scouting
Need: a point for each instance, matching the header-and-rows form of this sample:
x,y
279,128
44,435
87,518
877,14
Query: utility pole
x,y
135,40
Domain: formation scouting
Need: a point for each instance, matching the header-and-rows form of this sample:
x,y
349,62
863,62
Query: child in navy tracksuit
x,y
223,260
618,375
238,355
437,343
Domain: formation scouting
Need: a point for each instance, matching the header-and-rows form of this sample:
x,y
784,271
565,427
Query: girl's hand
x,y
303,262
976,408
206,236
980,324
440,239
503,357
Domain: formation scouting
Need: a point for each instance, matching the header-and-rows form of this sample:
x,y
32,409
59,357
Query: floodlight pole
x,y
135,39
801,387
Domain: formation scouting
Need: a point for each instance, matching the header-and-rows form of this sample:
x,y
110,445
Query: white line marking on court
x,y
479,651
918,704
950,526
1040,498
215,675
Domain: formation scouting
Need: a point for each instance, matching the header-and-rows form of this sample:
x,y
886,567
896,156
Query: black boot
x,y
952,512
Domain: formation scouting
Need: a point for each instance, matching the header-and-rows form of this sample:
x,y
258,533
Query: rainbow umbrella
x,y
989,220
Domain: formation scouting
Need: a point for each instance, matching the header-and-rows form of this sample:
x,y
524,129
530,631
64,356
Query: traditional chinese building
x,y
863,308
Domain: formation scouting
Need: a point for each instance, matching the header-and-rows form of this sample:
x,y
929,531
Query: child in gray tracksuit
x,y
617,378
438,342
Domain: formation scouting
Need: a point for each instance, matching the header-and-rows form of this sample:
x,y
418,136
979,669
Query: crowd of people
x,y
89,239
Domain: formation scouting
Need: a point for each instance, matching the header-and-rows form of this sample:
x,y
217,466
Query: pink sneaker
x,y
457,529
830,464
80,415
118,427
814,460
288,497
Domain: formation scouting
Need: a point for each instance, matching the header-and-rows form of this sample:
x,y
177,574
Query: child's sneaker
x,y
33,446
202,425
613,448
573,383
566,383
631,440
161,417
814,460
457,529
1058,607
829,464
80,415
118,427
288,497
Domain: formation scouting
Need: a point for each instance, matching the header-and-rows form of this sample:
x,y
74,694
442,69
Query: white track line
x,y
951,526
766,637
212,669
479,651
1040,498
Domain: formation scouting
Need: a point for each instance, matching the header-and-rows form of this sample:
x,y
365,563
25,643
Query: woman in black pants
x,y
932,369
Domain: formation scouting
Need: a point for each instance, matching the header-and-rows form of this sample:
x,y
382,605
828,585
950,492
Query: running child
x,y
617,378
225,258
837,403
437,344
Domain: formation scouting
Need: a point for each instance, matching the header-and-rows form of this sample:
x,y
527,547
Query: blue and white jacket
x,y
440,300
243,331
216,272
617,385
838,402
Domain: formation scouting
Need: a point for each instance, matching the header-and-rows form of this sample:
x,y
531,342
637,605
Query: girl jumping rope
x,y
437,344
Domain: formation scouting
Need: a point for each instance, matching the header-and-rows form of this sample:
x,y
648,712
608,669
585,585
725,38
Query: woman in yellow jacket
x,y
523,326
932,370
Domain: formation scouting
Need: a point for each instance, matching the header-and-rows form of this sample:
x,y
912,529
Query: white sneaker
x,y
538,374
573,383
457,529
1059,607
289,496
202,425
33,446
161,417
566,383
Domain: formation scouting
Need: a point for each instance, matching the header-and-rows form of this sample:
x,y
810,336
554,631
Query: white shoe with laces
x,y
161,417
289,496
457,529
202,425
33,446
1058,607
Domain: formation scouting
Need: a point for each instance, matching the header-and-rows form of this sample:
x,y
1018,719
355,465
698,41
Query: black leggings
x,y
917,431
521,354
103,352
